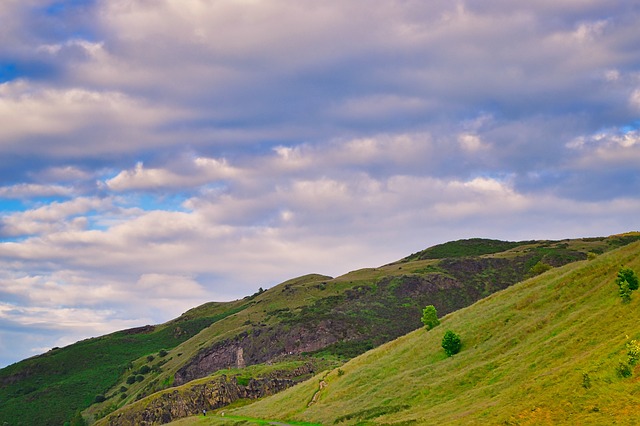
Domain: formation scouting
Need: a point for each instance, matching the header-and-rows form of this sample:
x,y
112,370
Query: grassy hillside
x,y
350,314
311,316
48,389
545,351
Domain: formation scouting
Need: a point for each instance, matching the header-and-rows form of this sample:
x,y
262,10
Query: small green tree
x,y
628,275
451,343
625,291
430,317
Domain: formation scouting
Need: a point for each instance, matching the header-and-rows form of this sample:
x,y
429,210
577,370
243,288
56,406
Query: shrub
x,y
123,396
162,353
144,369
99,398
451,343
633,352
430,317
586,381
139,378
77,420
627,274
131,380
150,358
623,370
539,268
123,388
624,291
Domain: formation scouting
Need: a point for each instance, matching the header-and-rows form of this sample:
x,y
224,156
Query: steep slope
x,y
545,351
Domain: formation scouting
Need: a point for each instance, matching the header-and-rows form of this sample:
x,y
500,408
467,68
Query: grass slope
x,y
544,351
48,389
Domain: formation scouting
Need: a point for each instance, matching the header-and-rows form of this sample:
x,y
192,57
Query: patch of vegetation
x,y
464,248
539,268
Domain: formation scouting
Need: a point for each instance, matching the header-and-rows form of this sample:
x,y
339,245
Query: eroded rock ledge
x,y
170,405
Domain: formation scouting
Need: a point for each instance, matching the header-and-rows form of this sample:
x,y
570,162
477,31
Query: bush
x,y
162,353
123,388
451,343
586,381
624,291
623,370
77,420
633,352
139,378
430,317
144,369
539,268
627,274
131,380
150,358
99,398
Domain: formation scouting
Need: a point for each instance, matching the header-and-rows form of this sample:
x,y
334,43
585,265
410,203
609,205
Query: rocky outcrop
x,y
262,344
168,406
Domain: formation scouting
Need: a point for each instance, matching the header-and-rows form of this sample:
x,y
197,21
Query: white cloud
x,y
30,190
634,99
470,142
75,122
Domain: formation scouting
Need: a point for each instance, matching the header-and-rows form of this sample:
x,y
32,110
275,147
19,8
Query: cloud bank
x,y
158,155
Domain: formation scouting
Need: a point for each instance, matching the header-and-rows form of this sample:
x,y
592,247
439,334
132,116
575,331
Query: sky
x,y
159,154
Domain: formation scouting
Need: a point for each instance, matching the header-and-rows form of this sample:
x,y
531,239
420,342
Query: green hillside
x,y
48,389
306,319
545,351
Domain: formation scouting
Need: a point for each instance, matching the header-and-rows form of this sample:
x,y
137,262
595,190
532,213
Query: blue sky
x,y
158,155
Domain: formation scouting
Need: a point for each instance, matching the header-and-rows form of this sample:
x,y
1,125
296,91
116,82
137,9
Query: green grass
x,y
526,351
68,379
463,248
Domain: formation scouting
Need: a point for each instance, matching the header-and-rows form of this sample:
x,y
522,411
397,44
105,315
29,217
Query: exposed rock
x,y
262,345
178,403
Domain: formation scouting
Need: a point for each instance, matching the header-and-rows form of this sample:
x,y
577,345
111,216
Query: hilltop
x,y
274,338
547,351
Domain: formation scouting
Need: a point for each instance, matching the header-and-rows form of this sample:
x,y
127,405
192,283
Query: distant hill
x,y
548,351
286,333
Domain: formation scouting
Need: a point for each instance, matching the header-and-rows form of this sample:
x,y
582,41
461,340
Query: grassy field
x,y
543,352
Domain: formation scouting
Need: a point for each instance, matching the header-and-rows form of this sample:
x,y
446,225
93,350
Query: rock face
x,y
178,403
263,344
